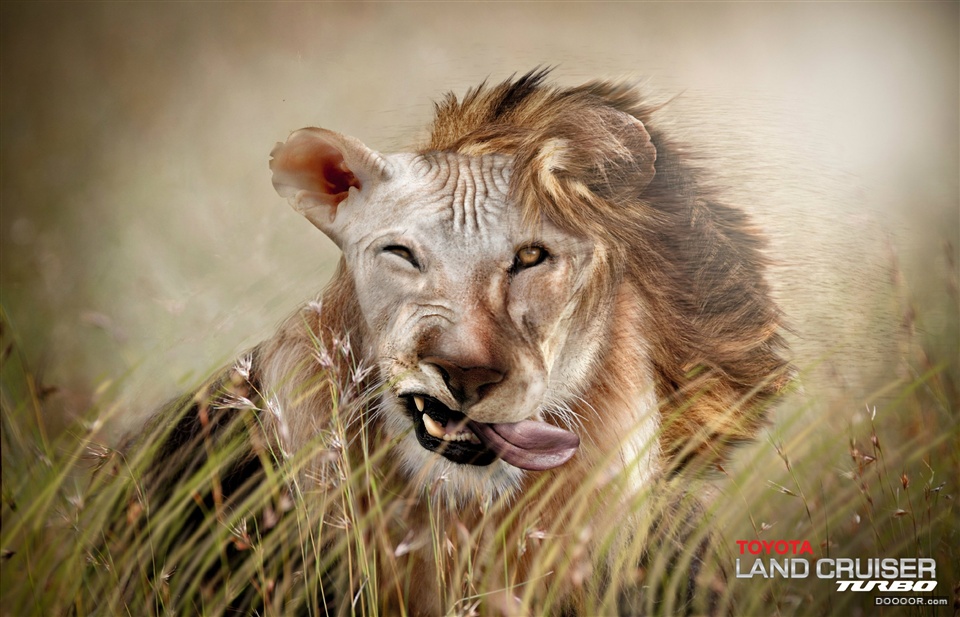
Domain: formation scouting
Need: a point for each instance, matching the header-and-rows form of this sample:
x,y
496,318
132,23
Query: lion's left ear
x,y
315,170
616,155
588,151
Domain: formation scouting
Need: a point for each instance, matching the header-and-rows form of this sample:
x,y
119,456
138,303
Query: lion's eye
x,y
402,252
528,257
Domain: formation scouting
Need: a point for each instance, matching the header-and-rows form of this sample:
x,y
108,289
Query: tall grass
x,y
308,532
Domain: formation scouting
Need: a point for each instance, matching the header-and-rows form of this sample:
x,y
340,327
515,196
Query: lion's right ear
x,y
315,170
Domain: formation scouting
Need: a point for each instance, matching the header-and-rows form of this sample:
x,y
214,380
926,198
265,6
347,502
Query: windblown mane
x,y
698,263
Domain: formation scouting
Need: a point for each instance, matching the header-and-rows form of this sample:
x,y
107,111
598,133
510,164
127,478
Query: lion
x,y
546,317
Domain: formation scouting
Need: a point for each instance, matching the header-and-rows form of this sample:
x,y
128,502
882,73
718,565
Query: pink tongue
x,y
536,446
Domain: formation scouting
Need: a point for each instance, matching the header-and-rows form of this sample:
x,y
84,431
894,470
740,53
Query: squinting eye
x,y
402,252
528,257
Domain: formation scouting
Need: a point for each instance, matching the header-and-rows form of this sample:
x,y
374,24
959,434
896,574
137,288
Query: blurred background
x,y
143,244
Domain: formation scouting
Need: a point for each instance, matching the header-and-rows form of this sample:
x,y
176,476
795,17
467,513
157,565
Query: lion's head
x,y
544,246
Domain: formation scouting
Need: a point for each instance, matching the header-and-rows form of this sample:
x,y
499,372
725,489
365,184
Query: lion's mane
x,y
712,326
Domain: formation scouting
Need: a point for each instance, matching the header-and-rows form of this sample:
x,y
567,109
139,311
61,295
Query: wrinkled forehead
x,y
457,195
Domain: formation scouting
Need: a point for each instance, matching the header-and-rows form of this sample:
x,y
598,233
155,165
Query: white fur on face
x,y
432,251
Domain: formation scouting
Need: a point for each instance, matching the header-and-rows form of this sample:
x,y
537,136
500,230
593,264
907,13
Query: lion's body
x,y
639,325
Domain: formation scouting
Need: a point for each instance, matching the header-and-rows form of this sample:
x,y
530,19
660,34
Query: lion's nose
x,y
468,384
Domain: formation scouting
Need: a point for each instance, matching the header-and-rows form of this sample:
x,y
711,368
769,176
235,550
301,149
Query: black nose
x,y
467,384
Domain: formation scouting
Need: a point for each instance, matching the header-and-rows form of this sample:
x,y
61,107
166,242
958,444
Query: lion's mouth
x,y
528,444
445,432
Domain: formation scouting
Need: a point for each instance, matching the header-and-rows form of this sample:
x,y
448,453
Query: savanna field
x,y
143,249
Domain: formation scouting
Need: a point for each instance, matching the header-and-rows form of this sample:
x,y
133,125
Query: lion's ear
x,y
602,152
315,170
617,157
643,154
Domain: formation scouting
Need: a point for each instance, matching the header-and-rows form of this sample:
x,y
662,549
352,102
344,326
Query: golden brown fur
x,y
696,262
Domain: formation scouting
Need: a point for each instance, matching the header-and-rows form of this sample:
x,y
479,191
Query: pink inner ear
x,y
338,176
311,164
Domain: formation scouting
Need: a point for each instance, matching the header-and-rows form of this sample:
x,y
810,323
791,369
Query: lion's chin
x,y
457,485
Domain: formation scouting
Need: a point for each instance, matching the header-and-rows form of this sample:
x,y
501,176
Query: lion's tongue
x,y
532,445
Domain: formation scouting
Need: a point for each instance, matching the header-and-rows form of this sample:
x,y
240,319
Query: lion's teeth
x,y
433,428
464,436
457,433
418,401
